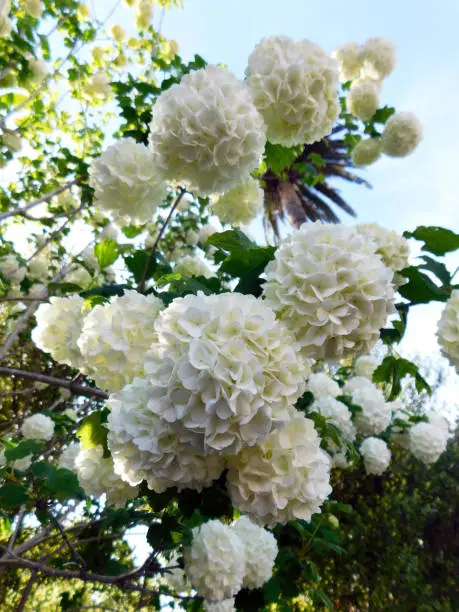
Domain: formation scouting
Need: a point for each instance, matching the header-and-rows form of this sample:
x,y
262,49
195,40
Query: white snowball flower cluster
x,y
208,230
215,561
363,99
193,266
427,441
378,58
38,427
365,365
294,86
38,69
448,330
376,413
331,289
116,336
349,58
12,269
38,267
366,152
376,455
126,181
58,328
96,476
78,275
322,385
33,8
5,23
206,132
12,141
144,446
224,369
338,414
99,85
260,552
68,456
391,246
20,464
241,204
402,134
356,383
284,478
226,605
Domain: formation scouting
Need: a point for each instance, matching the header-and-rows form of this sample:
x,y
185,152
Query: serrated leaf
x,y
437,240
383,114
131,231
231,241
436,267
12,495
106,252
27,447
420,289
279,158
393,370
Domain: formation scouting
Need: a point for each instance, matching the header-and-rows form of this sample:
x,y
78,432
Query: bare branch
x,y
53,380
45,198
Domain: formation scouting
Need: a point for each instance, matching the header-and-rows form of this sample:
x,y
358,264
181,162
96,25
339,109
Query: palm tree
x,y
300,201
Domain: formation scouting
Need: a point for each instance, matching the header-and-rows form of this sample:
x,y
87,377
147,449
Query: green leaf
x,y
131,231
396,333
278,158
272,590
184,286
106,252
141,260
27,447
393,370
320,596
436,267
420,289
92,431
231,240
383,114
241,262
437,240
12,495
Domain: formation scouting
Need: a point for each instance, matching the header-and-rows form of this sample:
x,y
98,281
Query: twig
x,y
141,285
76,555
45,198
53,380
26,592
24,298
16,531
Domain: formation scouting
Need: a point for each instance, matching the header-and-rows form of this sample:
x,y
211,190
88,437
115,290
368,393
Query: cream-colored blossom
x,y
366,152
363,99
241,204
376,455
402,134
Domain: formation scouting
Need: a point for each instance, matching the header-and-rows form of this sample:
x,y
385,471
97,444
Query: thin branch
x,y
53,380
141,285
76,555
26,592
16,531
45,198
24,298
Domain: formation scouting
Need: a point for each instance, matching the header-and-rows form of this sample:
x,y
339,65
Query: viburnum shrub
x,y
165,372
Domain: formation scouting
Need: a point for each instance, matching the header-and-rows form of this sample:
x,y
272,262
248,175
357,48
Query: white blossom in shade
x,y
23,464
402,134
427,442
376,413
224,369
215,561
365,365
349,58
206,132
38,427
78,275
376,456
439,421
286,477
145,447
58,328
340,460
363,99
366,152
448,330
192,237
322,385
390,245
116,336
34,8
96,476
126,181
294,85
68,456
192,266
379,58
38,267
338,414
241,204
38,69
331,289
226,605
260,552
12,269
